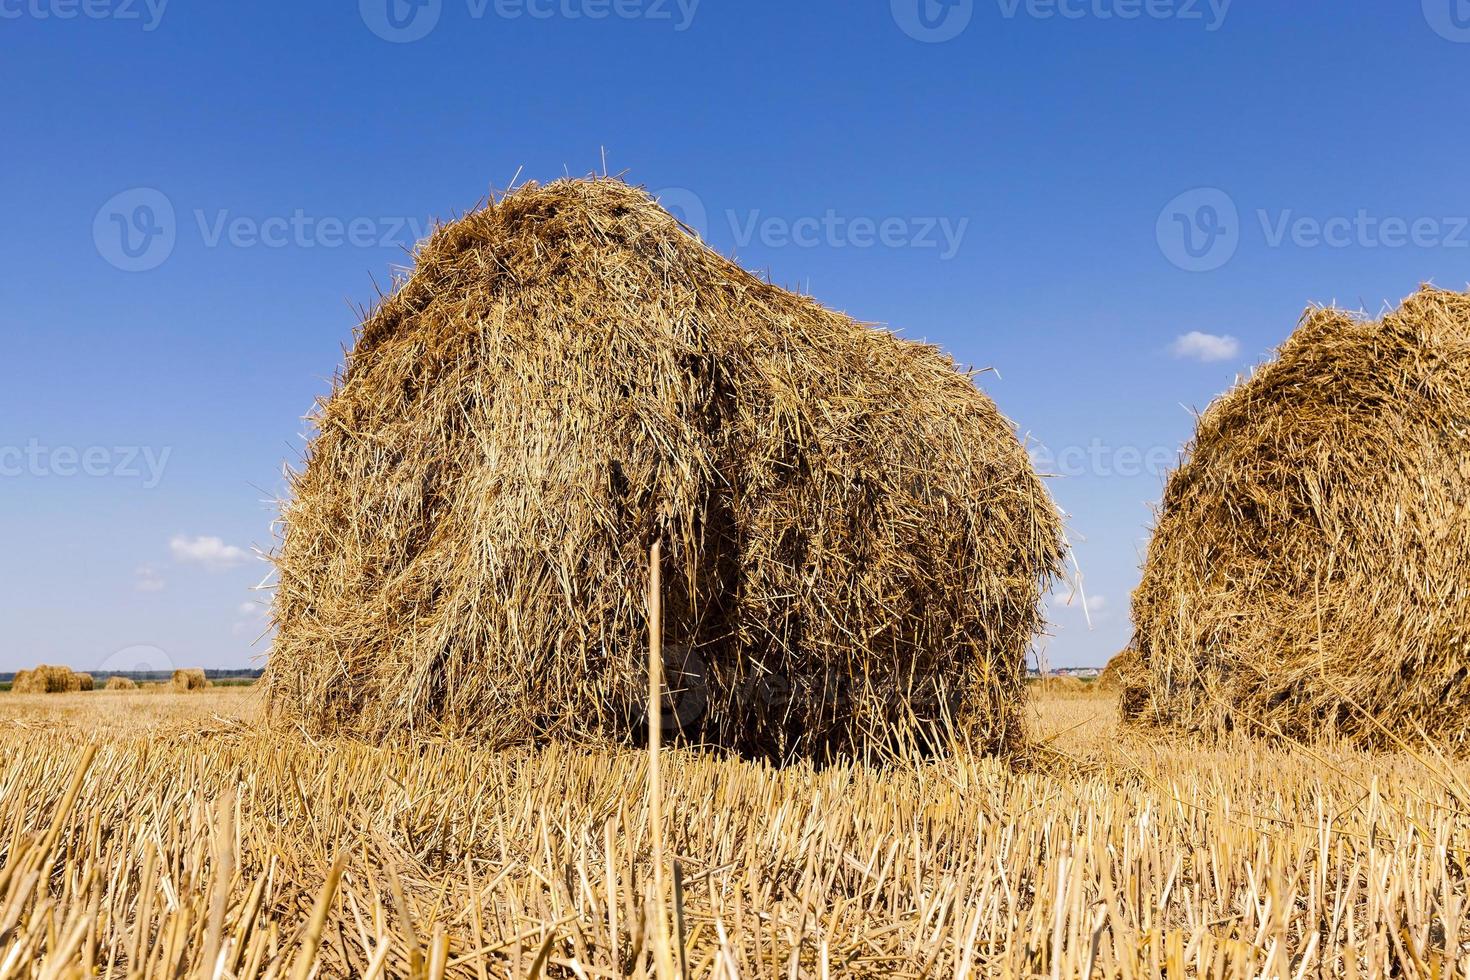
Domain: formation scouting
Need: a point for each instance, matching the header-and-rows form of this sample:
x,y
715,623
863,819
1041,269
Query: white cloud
x,y
210,552
1197,346
1073,600
251,618
146,579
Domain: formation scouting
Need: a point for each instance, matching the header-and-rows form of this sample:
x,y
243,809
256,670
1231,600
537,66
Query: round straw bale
x,y
117,682
189,679
855,540
1307,574
46,679
85,682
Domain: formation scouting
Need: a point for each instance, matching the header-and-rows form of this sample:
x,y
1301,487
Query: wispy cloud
x,y
1207,347
251,618
147,579
211,552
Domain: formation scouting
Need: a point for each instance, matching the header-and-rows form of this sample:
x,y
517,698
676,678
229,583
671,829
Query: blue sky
x,y
1116,204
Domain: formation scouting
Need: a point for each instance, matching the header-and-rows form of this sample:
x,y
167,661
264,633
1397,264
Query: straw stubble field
x,y
153,835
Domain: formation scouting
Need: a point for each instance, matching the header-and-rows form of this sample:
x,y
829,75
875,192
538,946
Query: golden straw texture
x,y
1308,575
46,679
855,541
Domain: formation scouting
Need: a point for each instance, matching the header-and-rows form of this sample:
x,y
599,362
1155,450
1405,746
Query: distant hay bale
x,y
118,682
1124,676
1062,684
85,682
1307,575
46,679
855,538
1119,671
189,679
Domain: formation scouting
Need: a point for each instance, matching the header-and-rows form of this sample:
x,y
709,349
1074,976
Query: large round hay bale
x,y
46,679
117,682
189,679
1307,575
855,540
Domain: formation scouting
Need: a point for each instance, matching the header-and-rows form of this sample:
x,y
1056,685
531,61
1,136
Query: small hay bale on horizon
x,y
1062,684
189,679
117,682
1307,573
855,539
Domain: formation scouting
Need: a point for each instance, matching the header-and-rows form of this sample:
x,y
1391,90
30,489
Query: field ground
x,y
193,844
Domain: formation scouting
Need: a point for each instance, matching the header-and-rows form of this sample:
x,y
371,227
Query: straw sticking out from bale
x,y
189,679
1307,575
117,682
855,539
